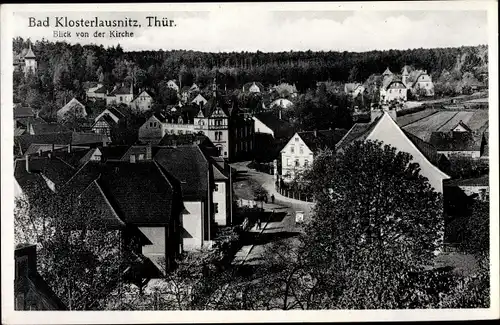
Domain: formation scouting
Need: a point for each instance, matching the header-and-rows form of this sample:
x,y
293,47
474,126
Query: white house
x,y
143,102
385,129
120,95
298,154
172,85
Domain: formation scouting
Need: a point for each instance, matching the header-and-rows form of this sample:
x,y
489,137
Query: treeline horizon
x,y
63,68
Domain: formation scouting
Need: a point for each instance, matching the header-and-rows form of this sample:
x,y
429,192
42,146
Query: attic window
x,y
296,139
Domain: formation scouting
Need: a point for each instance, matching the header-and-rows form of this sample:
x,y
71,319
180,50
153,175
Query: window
x,y
292,149
297,164
216,207
141,156
306,163
296,139
121,98
301,150
216,188
150,124
288,162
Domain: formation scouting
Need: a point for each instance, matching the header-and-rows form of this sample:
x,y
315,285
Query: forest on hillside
x,y
64,68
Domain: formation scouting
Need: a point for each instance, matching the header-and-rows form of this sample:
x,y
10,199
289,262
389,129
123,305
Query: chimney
x,y
28,163
149,152
132,159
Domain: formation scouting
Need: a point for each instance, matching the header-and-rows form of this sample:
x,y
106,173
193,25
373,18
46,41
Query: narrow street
x,y
281,225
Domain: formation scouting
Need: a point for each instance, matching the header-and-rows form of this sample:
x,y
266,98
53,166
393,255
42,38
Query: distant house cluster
x,y
230,131
396,87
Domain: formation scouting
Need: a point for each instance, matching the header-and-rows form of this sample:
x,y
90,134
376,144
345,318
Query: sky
x,y
244,29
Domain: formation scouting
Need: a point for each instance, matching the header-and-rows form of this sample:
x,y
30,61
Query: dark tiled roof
x,y
140,193
478,181
101,90
114,152
189,166
22,111
62,138
121,90
76,158
185,139
54,169
281,128
116,112
358,132
427,149
455,141
40,127
322,139
25,179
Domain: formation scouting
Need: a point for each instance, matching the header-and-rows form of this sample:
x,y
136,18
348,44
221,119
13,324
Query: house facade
x,y
298,154
120,95
143,102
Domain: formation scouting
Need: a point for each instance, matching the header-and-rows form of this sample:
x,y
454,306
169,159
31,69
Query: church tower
x,y
30,64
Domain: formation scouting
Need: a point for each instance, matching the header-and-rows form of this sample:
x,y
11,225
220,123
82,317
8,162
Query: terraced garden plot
x,y
478,119
424,127
463,116
414,117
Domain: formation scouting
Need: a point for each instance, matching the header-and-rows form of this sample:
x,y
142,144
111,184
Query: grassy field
x,y
424,127
460,116
411,118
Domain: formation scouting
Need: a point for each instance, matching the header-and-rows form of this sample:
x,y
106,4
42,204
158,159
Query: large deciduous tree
x,y
376,221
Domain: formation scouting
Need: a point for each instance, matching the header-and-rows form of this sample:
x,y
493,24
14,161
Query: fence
x,y
297,195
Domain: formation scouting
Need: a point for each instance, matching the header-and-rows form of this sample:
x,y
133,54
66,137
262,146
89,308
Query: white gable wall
x,y
389,133
295,151
260,127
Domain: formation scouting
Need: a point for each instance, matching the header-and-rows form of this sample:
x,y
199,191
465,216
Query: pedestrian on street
x,y
258,224
272,198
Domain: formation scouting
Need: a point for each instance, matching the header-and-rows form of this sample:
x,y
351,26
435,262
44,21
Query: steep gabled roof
x,y
140,193
280,127
387,72
41,127
121,90
30,54
385,129
322,139
62,138
189,166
